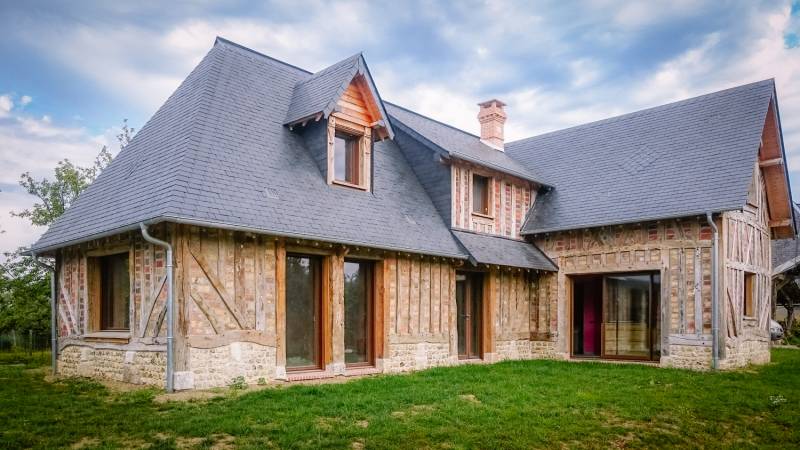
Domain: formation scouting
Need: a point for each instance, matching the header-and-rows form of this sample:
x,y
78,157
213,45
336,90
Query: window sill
x,y
122,337
481,215
350,185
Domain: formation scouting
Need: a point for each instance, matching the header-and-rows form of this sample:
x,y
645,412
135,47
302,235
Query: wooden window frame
x,y
363,165
372,312
488,194
749,296
95,275
320,305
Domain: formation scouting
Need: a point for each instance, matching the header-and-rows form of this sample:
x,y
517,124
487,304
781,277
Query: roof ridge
x,y
453,127
674,104
222,40
324,70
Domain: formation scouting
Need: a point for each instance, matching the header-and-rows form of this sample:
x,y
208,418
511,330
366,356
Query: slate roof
x,y
217,153
498,250
675,160
459,144
786,252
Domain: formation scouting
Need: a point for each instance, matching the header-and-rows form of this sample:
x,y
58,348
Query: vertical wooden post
x,y
489,306
280,308
380,309
179,301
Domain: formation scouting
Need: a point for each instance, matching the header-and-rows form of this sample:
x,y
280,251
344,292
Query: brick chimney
x,y
492,117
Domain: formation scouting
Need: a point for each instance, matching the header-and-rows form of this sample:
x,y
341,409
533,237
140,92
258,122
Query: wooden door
x,y
469,312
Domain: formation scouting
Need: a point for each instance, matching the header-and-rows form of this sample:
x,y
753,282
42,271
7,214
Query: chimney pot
x,y
492,117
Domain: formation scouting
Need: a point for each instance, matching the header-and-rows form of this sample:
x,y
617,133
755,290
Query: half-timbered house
x,y
277,224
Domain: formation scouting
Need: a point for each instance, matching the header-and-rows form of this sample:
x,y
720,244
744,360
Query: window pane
x,y
480,194
115,292
357,309
626,321
476,317
302,311
461,316
345,158
748,294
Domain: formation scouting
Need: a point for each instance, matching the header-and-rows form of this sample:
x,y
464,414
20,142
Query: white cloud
x,y
6,104
676,79
25,100
18,232
145,65
35,145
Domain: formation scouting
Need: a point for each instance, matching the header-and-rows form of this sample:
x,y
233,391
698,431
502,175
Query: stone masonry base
x,y
129,366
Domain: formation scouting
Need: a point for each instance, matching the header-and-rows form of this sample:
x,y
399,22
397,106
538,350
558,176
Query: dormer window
x,y
480,194
349,155
347,158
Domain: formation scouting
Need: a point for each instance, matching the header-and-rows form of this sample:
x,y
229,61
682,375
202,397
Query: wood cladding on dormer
x,y
356,104
508,198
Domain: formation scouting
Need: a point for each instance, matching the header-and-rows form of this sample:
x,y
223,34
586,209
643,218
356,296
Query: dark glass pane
x,y
655,308
480,197
476,318
461,317
302,311
345,158
627,316
115,292
357,307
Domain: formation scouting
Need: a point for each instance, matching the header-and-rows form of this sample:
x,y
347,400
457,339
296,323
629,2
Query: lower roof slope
x,y
217,154
503,251
680,159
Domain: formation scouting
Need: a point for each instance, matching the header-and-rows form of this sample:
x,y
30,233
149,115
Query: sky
x,y
70,72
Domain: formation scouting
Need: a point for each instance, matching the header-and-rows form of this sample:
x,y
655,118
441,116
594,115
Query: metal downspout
x,y
714,294
168,247
53,313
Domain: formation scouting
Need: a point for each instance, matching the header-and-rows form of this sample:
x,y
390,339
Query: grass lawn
x,y
520,404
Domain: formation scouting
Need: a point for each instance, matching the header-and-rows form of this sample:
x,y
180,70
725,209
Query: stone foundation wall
x,y
417,356
695,357
546,350
129,366
214,367
516,349
751,347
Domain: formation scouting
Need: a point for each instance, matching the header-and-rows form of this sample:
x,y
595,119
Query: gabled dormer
x,y
339,113
474,184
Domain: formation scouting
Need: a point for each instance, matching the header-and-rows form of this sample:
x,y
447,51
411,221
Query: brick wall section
x,y
679,250
746,249
510,201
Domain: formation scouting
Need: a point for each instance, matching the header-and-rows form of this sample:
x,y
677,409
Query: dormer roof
x,y
317,96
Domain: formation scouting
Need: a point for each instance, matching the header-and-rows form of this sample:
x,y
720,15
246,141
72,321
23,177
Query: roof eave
x,y
233,227
699,213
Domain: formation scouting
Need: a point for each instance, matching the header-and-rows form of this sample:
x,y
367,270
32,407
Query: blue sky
x,y
71,71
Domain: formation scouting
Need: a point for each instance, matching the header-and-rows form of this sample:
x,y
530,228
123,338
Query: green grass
x,y
523,404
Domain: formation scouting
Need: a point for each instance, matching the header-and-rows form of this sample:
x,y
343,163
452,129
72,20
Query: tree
x,y
70,180
24,286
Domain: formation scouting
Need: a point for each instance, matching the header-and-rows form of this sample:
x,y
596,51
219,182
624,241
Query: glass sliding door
x,y
358,310
303,306
630,316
